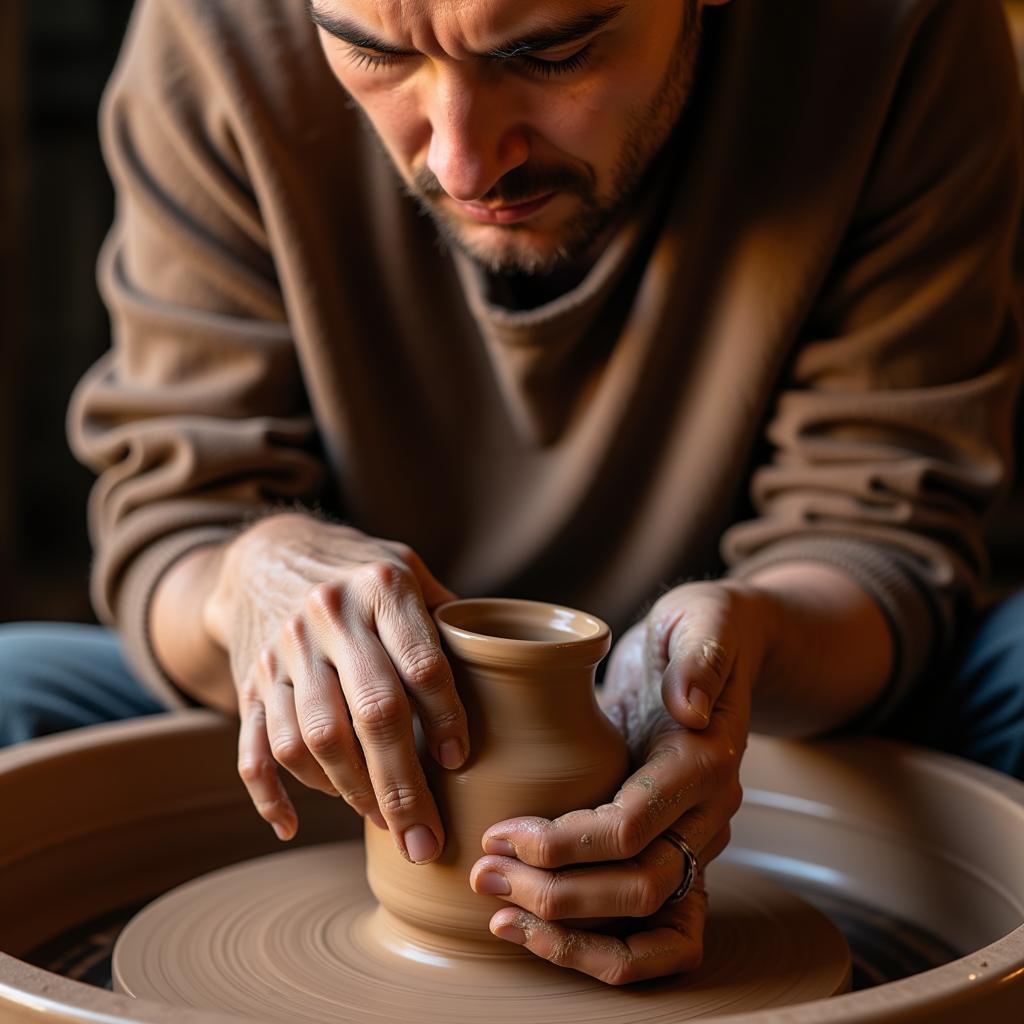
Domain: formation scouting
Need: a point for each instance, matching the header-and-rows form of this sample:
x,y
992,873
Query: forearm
x,y
181,641
829,653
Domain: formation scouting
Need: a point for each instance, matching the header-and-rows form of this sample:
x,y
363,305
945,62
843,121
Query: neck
x,y
528,291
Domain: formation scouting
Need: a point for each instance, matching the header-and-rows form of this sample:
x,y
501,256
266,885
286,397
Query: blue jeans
x,y
55,676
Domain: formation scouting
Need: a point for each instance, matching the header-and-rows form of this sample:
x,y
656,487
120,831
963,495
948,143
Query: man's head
x,y
522,126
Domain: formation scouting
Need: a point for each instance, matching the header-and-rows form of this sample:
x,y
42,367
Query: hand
x,y
332,645
700,636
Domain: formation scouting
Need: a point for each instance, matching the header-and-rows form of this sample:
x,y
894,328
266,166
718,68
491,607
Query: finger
x,y
323,723
258,770
434,592
673,946
637,887
695,650
408,635
684,771
382,720
286,743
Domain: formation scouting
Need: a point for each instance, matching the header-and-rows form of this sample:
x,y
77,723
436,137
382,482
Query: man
x,y
685,249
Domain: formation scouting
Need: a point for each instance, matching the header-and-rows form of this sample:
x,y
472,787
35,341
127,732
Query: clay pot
x,y
539,745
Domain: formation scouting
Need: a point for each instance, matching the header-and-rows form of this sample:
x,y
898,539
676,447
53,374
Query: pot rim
x,y
587,638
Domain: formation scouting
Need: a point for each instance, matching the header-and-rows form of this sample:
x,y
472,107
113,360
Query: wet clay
x,y
297,937
313,935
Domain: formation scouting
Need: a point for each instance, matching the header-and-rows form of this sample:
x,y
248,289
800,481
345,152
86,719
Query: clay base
x,y
297,937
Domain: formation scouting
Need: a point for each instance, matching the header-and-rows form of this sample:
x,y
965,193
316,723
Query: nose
x,y
472,142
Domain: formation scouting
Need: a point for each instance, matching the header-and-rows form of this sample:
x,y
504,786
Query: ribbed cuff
x,y
885,574
136,593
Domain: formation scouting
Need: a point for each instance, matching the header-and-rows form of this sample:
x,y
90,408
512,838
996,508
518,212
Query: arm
x,y
178,630
891,438
831,651
198,422
891,435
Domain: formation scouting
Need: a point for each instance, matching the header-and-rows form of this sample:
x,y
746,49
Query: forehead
x,y
458,27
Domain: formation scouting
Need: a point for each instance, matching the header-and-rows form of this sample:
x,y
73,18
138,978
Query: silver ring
x,y
690,865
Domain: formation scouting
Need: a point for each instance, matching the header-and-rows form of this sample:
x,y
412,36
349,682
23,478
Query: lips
x,y
505,213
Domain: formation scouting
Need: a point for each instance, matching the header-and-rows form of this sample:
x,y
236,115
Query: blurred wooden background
x,y
55,205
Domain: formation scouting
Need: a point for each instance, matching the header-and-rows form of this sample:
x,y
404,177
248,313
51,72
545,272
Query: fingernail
x,y
510,933
490,883
451,753
699,701
500,847
283,832
420,843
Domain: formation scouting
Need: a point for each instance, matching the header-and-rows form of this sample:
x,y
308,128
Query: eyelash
x,y
547,68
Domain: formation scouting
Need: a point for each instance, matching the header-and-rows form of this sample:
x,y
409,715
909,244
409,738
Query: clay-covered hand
x,y
612,861
332,647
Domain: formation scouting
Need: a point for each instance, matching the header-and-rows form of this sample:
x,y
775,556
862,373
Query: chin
x,y
520,250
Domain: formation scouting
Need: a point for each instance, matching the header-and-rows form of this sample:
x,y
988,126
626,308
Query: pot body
x,y
539,745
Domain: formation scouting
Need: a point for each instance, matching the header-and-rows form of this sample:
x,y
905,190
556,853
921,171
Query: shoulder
x,y
256,63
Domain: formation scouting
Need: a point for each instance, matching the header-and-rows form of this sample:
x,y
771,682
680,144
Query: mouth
x,y
505,213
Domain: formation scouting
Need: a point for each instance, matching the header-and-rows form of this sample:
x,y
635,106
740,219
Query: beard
x,y
646,133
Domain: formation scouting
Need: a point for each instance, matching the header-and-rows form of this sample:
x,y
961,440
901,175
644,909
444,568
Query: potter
x,y
568,300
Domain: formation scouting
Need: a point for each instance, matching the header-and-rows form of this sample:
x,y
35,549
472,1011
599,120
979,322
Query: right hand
x,y
332,645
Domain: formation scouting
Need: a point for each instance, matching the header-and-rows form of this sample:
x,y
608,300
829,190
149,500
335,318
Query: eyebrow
x,y
548,38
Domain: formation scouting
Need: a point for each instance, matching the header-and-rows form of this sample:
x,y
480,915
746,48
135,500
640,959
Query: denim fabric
x,y
977,710
56,676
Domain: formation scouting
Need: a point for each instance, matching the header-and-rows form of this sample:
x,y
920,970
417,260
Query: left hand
x,y
707,636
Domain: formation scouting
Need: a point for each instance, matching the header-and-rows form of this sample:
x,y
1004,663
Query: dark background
x,y
55,206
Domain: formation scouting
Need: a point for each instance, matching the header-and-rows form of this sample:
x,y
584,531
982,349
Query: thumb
x,y
699,665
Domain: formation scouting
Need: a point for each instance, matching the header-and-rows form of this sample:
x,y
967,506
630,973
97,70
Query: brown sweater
x,y
802,346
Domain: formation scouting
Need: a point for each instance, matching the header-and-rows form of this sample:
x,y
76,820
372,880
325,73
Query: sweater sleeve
x,y
891,434
197,419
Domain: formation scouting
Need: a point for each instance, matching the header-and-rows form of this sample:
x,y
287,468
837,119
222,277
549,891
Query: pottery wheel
x,y
293,937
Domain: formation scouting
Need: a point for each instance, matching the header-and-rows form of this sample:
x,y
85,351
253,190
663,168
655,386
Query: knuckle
x,y
248,693
425,668
641,896
397,797
325,737
628,836
545,849
621,971
384,575
691,956
267,658
715,768
726,835
735,798
549,904
324,601
270,809
358,797
289,751
448,721
294,631
253,770
376,711
403,550
712,655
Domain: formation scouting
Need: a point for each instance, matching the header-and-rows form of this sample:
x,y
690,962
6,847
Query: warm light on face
x,y
522,126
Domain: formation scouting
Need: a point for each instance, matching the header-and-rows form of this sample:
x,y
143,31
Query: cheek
x,y
584,122
394,112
